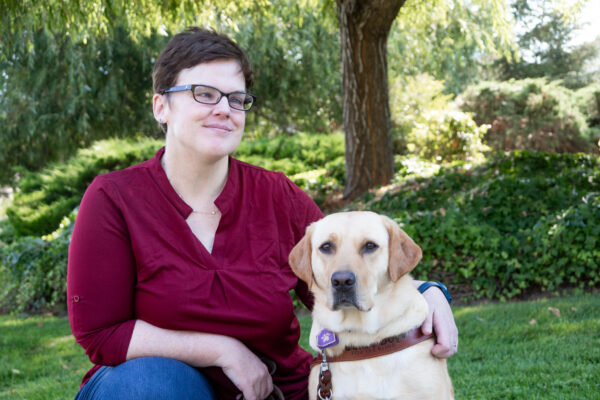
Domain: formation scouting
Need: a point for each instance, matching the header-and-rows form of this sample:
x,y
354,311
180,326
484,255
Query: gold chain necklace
x,y
194,211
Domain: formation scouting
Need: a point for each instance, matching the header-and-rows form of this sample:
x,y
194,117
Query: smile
x,y
220,128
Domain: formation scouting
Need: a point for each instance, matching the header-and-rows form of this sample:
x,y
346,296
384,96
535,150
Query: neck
x,y
198,182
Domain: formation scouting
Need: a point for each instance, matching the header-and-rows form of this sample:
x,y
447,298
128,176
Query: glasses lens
x,y
240,101
206,95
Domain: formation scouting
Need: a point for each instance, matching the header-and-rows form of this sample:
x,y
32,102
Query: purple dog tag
x,y
326,339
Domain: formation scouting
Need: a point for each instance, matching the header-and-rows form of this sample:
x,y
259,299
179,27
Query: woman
x,y
178,282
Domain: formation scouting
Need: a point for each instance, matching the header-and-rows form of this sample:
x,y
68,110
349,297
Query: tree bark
x,y
364,28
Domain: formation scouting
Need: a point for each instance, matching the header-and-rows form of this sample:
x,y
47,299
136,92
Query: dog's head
x,y
347,258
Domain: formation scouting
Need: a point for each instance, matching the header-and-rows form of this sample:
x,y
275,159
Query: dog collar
x,y
386,346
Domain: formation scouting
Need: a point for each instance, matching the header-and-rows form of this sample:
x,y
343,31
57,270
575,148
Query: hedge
x,y
532,114
44,198
520,223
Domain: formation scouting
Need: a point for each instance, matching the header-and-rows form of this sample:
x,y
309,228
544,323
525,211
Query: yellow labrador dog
x,y
357,265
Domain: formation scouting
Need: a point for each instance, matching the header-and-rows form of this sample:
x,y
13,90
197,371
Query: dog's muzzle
x,y
343,286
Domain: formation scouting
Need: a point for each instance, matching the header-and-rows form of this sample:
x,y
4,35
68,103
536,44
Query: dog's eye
x,y
326,248
369,247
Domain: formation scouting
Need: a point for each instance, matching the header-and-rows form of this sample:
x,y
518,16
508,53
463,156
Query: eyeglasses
x,y
209,95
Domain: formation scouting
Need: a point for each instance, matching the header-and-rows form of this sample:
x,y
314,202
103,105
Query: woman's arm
x,y
101,278
240,365
101,293
441,321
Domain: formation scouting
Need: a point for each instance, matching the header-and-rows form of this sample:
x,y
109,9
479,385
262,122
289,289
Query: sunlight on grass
x,y
60,341
507,350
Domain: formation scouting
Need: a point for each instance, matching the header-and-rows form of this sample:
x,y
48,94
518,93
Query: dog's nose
x,y
343,280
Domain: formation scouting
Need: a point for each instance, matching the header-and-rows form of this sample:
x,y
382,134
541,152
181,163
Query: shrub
x,y
588,101
565,247
33,268
44,198
7,232
314,162
322,183
33,271
518,223
445,136
530,114
429,125
410,97
292,154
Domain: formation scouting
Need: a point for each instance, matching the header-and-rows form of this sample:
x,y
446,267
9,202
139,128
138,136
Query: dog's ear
x,y
300,258
405,254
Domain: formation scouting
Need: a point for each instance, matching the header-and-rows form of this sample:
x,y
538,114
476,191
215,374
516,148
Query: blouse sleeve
x,y
101,277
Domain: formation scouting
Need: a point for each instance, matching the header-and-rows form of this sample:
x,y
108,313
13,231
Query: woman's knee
x,y
150,378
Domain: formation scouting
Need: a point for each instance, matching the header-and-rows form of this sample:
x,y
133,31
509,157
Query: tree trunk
x,y
364,28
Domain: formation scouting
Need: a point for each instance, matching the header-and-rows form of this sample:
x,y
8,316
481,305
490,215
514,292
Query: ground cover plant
x,y
518,223
44,198
543,349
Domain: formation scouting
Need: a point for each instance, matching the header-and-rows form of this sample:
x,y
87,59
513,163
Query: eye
x,y
237,99
327,248
369,247
205,94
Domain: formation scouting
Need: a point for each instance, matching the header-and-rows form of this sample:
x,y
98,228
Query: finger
x,y
427,326
263,383
267,388
257,387
446,340
446,344
442,351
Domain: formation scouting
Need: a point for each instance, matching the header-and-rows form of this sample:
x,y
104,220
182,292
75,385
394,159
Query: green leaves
x,y
33,271
64,94
45,198
519,222
531,114
85,72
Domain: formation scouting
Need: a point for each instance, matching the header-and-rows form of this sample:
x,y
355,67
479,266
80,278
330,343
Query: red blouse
x,y
133,256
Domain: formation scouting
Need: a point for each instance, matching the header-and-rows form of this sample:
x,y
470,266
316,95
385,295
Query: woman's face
x,y
211,131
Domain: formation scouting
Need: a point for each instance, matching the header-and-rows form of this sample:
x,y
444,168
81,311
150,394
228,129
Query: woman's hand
x,y
441,321
247,372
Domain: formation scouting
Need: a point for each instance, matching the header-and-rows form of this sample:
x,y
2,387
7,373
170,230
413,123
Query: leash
x,y
388,345
325,339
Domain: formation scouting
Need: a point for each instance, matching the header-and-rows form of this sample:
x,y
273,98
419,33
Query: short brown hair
x,y
192,47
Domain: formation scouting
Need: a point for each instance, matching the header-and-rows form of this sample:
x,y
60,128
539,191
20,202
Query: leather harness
x,y
386,346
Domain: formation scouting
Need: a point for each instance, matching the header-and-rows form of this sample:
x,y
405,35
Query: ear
x,y
160,107
405,254
300,258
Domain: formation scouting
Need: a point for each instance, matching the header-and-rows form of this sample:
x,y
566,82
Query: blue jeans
x,y
145,379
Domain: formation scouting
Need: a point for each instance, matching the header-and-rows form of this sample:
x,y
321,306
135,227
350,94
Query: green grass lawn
x,y
544,349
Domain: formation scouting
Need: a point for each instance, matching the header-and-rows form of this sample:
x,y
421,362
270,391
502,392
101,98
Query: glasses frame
x,y
192,87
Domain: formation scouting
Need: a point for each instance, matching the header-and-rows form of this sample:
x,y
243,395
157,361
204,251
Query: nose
x,y
343,280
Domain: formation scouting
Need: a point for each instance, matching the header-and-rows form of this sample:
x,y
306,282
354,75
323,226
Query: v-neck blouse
x,y
133,256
